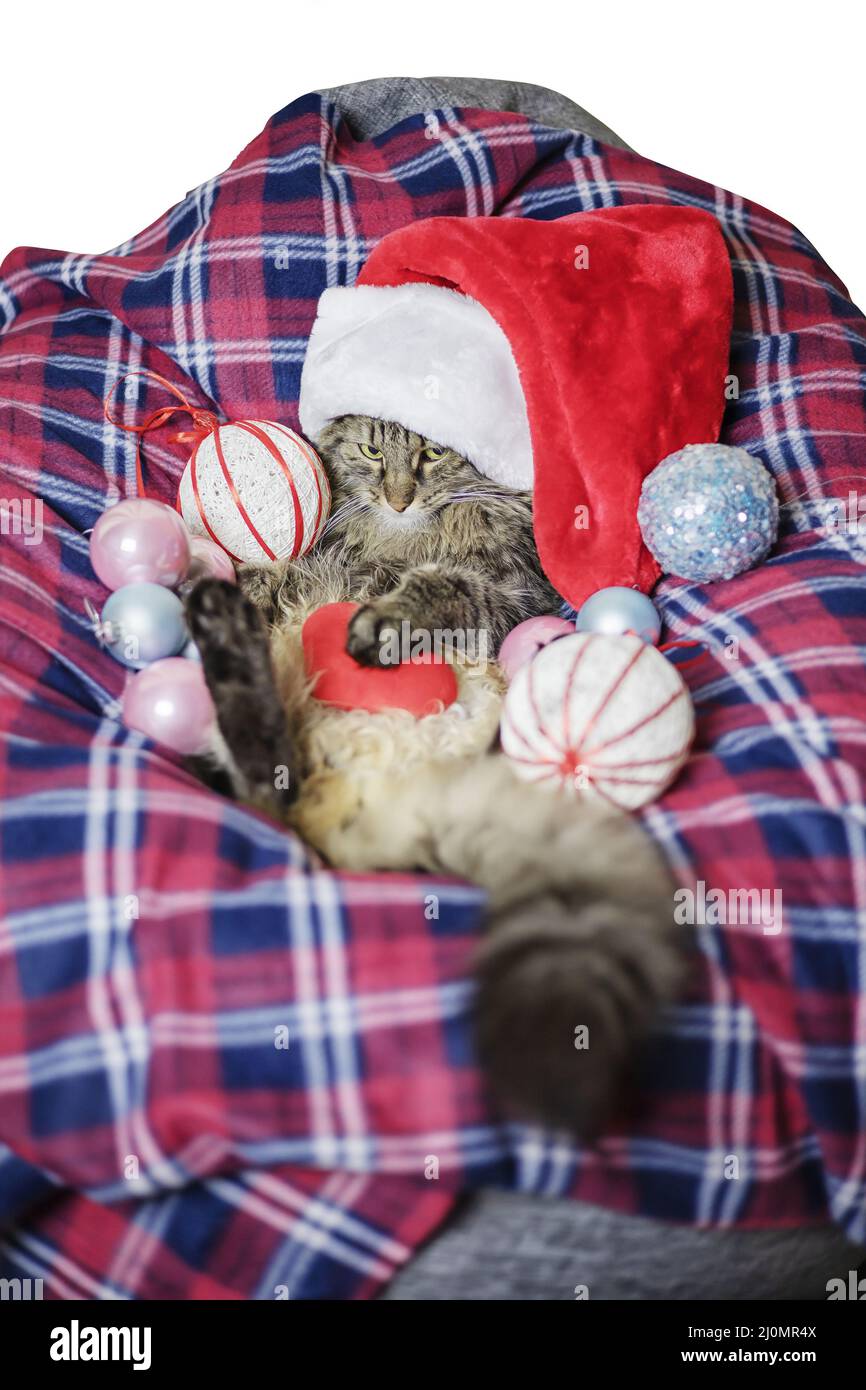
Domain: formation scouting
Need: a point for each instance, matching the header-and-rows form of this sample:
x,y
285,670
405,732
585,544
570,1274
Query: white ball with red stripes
x,y
604,715
256,488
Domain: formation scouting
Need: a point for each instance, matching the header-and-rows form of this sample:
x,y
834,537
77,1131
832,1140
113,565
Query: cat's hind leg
x,y
254,747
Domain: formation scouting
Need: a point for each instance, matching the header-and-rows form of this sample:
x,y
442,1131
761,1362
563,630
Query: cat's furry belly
x,y
351,759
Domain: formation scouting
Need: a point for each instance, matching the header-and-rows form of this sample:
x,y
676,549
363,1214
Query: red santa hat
x,y
566,357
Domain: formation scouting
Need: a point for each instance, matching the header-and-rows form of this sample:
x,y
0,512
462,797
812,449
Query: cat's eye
x,y
432,454
375,455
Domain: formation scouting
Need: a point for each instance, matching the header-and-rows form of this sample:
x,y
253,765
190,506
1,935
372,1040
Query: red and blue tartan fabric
x,y
155,939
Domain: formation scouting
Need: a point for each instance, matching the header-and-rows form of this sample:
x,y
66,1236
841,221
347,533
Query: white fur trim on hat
x,y
427,357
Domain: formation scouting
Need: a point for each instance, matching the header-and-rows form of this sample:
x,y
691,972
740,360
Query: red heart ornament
x,y
420,686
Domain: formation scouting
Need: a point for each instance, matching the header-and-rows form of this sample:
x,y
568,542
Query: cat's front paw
x,y
374,633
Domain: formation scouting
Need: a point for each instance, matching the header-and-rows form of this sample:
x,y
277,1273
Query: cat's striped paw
x,y
373,631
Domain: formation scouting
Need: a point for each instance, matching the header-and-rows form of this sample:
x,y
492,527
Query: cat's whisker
x,y
351,504
475,497
484,492
353,507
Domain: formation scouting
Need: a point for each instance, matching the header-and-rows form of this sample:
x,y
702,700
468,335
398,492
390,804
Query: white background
x,y
111,112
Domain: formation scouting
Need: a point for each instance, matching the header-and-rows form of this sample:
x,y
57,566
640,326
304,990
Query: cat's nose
x,y
399,504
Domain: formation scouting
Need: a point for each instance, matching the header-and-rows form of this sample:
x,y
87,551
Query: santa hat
x,y
569,357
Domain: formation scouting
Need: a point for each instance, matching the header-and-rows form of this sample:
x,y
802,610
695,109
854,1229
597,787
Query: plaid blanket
x,y
159,945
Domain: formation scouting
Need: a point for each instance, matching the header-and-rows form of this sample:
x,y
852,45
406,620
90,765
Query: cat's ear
x,y
326,435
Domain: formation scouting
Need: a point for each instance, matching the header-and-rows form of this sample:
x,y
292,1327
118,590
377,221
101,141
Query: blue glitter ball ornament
x,y
708,512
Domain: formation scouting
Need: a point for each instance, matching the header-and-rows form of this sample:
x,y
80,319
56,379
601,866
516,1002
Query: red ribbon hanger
x,y
204,420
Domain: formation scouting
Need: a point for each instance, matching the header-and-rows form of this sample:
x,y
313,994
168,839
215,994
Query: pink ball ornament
x,y
170,702
209,561
528,638
140,541
599,715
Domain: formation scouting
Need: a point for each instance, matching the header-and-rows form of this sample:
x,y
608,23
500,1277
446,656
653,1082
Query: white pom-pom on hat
x,y
605,715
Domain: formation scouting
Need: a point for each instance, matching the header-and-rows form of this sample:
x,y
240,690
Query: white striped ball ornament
x,y
256,488
606,715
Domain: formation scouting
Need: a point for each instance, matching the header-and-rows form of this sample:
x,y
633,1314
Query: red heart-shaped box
x,y
421,686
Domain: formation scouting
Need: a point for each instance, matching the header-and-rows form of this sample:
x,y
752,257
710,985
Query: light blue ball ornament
x,y
141,623
616,610
708,512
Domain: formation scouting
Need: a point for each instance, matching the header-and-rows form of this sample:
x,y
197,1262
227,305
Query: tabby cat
x,y
580,919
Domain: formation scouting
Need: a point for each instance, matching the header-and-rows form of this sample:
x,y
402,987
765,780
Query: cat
x,y
413,553
580,931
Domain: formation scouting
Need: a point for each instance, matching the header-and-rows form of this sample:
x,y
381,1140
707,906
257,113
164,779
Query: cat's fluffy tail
x,y
568,990
581,951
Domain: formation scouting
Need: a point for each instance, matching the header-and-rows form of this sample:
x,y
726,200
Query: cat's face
x,y
398,475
